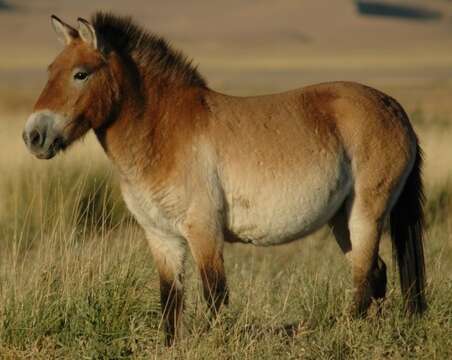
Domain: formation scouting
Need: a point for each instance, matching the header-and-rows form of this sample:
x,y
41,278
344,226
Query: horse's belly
x,y
278,213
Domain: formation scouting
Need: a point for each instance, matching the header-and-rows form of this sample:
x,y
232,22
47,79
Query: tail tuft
x,y
407,231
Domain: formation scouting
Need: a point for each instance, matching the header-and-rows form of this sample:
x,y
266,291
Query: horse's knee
x,y
206,244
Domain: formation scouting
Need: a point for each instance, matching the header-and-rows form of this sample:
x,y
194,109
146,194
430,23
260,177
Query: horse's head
x,y
79,95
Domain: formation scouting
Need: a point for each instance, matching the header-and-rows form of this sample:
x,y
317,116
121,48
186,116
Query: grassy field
x,y
77,281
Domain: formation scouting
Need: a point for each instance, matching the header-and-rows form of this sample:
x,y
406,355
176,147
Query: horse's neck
x,y
144,134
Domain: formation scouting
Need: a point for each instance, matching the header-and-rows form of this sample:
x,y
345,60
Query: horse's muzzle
x,y
41,135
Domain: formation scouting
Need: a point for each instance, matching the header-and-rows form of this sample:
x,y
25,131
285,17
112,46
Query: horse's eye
x,y
81,75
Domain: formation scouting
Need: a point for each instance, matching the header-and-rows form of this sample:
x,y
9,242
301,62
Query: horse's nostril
x,y
36,138
58,143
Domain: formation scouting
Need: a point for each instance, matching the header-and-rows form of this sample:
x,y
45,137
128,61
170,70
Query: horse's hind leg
x,y
358,237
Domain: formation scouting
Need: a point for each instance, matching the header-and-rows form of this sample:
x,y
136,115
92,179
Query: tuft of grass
x,y
78,307
58,198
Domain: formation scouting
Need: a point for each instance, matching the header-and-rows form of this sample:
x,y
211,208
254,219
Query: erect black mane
x,y
125,37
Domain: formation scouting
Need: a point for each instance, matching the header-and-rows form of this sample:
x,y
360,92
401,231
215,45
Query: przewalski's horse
x,y
199,168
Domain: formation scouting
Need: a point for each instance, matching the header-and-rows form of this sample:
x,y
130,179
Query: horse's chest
x,y
148,209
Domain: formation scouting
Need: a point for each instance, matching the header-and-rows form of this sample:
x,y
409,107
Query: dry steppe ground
x,y
76,279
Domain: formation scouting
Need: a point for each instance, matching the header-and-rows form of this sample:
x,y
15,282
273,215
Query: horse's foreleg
x,y
169,256
206,244
214,282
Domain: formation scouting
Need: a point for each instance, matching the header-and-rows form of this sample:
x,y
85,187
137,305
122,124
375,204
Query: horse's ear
x,y
65,32
87,32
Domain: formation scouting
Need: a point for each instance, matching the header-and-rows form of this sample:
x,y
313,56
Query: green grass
x,y
77,281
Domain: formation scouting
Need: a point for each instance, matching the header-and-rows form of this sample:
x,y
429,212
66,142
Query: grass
x,y
77,281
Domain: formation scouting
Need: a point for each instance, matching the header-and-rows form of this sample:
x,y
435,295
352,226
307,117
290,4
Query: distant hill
x,y
250,24
287,39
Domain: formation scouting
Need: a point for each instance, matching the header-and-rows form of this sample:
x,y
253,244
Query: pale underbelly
x,y
280,215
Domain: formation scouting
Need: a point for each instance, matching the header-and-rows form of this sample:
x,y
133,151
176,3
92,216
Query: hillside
x,y
250,44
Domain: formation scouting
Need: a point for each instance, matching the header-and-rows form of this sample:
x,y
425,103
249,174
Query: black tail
x,y
407,229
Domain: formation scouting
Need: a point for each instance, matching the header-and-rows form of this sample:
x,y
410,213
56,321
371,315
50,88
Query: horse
x,y
199,168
